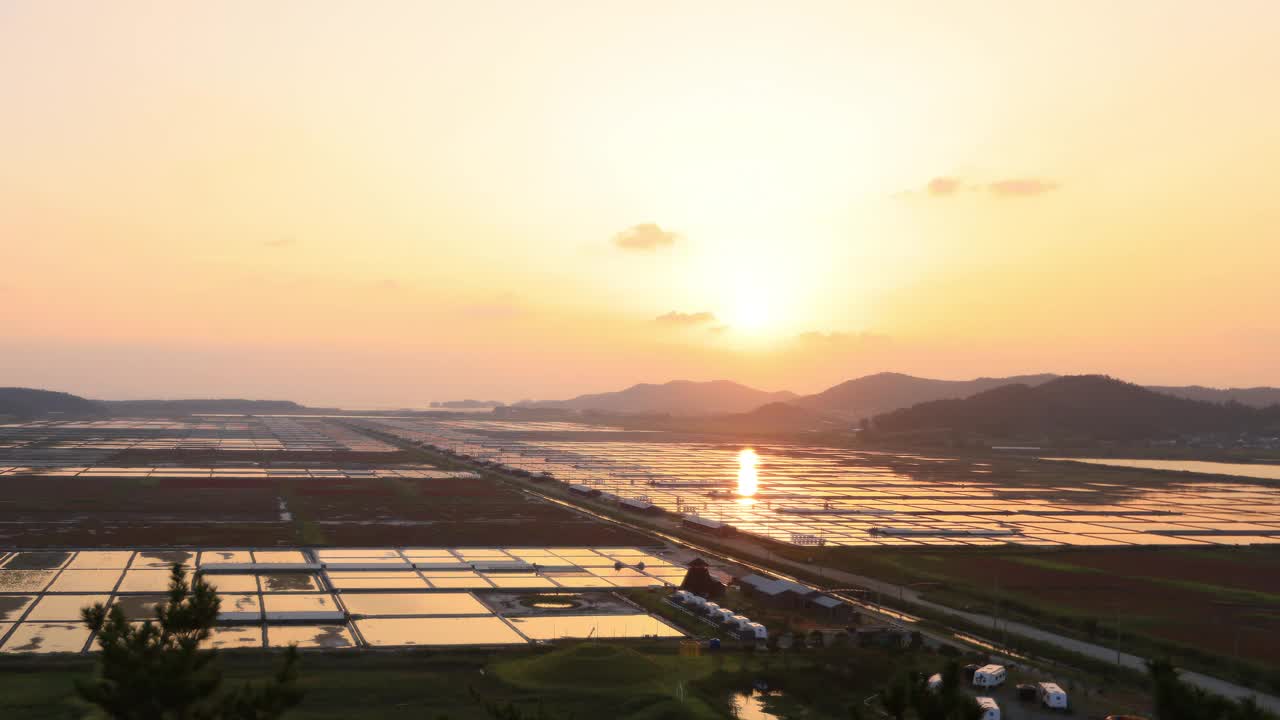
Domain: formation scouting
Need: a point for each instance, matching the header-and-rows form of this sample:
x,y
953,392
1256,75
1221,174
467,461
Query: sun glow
x,y
748,479
752,311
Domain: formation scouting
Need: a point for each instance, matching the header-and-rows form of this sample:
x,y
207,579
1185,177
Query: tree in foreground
x,y
911,692
1176,700
156,669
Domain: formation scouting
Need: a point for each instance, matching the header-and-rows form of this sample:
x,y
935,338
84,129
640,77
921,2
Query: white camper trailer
x,y
758,631
739,622
990,708
989,676
697,601
1051,696
722,615
710,609
681,596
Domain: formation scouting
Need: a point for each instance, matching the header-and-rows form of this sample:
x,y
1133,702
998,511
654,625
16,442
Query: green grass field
x,y
576,681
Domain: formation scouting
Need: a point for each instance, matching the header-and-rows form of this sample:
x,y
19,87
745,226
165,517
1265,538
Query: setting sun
x,y
751,311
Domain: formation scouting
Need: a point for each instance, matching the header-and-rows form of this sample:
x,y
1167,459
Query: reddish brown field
x,y
121,512
1225,601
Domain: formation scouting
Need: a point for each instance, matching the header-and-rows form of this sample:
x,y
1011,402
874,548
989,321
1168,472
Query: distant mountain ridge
x,y
882,392
1076,406
26,403
1253,397
678,397
212,405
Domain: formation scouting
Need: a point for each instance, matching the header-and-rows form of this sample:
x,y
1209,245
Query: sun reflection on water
x,y
748,480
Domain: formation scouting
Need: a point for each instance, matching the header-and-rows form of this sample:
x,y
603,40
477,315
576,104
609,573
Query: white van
x,y
990,708
1051,696
989,676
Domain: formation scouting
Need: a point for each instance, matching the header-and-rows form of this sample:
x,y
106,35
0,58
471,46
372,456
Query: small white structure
x,y
711,609
935,682
989,676
759,631
739,622
722,615
1051,696
681,596
697,601
990,708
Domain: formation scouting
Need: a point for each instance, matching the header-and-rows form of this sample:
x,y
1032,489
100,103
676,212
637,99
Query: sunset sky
x,y
382,204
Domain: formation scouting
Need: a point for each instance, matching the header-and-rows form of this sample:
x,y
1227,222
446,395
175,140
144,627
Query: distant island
x,y
678,397
467,404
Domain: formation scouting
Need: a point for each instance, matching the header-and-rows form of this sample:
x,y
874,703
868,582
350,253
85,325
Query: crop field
x,y
230,510
1220,601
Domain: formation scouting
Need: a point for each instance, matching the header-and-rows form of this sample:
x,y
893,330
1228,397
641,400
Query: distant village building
x,y
707,525
639,506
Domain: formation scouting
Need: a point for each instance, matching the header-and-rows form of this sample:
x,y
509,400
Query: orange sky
x,y
382,205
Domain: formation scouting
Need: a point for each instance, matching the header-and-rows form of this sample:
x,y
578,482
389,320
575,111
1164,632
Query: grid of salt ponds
x,y
280,434
328,598
835,496
211,472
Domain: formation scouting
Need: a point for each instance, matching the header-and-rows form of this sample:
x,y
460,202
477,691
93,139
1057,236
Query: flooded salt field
x,y
1248,470
555,627
341,597
809,495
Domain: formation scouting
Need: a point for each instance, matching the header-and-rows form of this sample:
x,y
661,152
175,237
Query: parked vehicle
x,y
989,676
990,708
1051,696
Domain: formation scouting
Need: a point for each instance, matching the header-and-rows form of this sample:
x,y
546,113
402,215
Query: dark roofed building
x,y
772,591
834,608
699,581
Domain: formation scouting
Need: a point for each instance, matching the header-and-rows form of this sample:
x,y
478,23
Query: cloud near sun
x,y
685,319
645,236
948,186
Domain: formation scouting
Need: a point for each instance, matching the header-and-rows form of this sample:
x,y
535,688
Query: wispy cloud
x,y
645,236
685,319
948,186
841,340
944,186
281,242
1021,187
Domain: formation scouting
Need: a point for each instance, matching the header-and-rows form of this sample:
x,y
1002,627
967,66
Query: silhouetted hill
x,y
678,397
1253,397
187,407
1079,406
883,392
28,403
